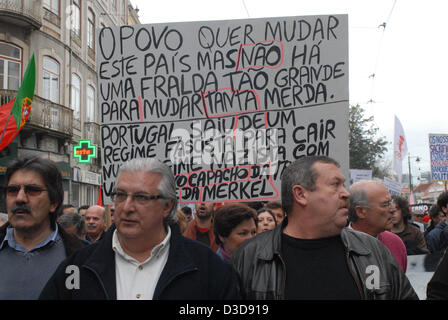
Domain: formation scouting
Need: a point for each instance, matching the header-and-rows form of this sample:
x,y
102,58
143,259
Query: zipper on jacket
x,y
99,279
283,275
347,255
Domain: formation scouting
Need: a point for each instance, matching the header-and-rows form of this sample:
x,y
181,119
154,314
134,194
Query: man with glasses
x,y
371,212
145,257
32,244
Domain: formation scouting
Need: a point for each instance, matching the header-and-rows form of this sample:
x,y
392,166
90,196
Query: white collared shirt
x,y
137,280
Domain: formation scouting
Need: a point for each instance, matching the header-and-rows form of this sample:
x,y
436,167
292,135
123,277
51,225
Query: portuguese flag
x,y
13,115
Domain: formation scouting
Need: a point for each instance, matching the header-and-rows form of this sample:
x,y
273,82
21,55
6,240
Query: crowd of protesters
x,y
147,246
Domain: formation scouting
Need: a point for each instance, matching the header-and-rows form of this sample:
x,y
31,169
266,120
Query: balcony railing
x,y
50,115
6,96
92,132
24,13
45,114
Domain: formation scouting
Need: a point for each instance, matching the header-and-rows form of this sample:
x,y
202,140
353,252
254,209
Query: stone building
x,y
62,36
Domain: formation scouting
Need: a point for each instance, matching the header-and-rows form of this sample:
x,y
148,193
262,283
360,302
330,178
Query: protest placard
x,y
423,207
438,151
394,187
226,104
359,174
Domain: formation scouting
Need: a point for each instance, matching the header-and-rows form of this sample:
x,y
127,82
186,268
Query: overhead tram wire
x,y
245,8
373,75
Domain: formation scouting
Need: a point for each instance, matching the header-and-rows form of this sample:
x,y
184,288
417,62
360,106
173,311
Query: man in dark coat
x,y
145,257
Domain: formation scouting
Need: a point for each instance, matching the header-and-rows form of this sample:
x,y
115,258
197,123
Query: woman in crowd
x,y
266,220
402,226
277,209
234,223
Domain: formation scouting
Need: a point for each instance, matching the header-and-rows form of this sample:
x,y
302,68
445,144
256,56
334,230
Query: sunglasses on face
x,y
29,189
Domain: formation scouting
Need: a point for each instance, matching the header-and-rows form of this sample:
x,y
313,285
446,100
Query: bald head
x,y
361,193
95,221
370,209
366,184
97,209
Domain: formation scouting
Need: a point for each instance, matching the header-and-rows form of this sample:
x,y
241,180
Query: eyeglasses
x,y
140,198
386,204
30,190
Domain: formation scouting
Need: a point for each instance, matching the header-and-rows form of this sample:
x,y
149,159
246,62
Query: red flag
x,y
14,114
100,197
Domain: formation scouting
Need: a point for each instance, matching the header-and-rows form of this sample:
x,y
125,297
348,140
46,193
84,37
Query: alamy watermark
x,y
231,147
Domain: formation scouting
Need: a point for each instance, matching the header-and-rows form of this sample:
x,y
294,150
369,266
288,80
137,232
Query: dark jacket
x,y
71,242
192,271
414,240
437,238
437,288
262,269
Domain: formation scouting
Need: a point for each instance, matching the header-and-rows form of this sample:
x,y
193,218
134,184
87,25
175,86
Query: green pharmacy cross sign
x,y
84,151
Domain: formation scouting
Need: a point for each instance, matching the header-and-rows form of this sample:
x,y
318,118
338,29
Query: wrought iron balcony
x,y
23,13
45,115
92,133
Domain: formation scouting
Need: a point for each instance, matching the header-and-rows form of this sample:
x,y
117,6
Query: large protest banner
x,y
438,151
227,104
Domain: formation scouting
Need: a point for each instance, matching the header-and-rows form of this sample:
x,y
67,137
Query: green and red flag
x,y
13,114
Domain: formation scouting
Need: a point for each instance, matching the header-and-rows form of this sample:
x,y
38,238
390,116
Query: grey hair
x,y
167,185
358,197
301,172
70,219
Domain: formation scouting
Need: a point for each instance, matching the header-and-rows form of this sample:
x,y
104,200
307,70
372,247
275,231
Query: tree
x,y
365,148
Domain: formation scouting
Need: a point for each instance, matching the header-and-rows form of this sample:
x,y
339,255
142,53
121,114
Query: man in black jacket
x,y
145,257
312,255
32,244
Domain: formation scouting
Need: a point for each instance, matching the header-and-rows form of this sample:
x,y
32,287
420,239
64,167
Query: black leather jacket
x,y
262,269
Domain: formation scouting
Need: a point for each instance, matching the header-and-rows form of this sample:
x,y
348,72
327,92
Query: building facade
x,y
62,36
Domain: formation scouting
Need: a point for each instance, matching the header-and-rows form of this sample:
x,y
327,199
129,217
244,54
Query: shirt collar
x,y
9,238
157,251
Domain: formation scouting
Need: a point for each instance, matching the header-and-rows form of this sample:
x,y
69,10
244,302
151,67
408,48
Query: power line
x,y
384,26
247,11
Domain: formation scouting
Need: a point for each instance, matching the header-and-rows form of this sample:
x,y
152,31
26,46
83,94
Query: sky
x,y
408,57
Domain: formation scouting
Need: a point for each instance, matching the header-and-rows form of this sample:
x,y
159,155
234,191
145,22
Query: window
x,y
91,30
51,79
90,194
52,6
90,104
10,66
76,96
76,26
75,194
